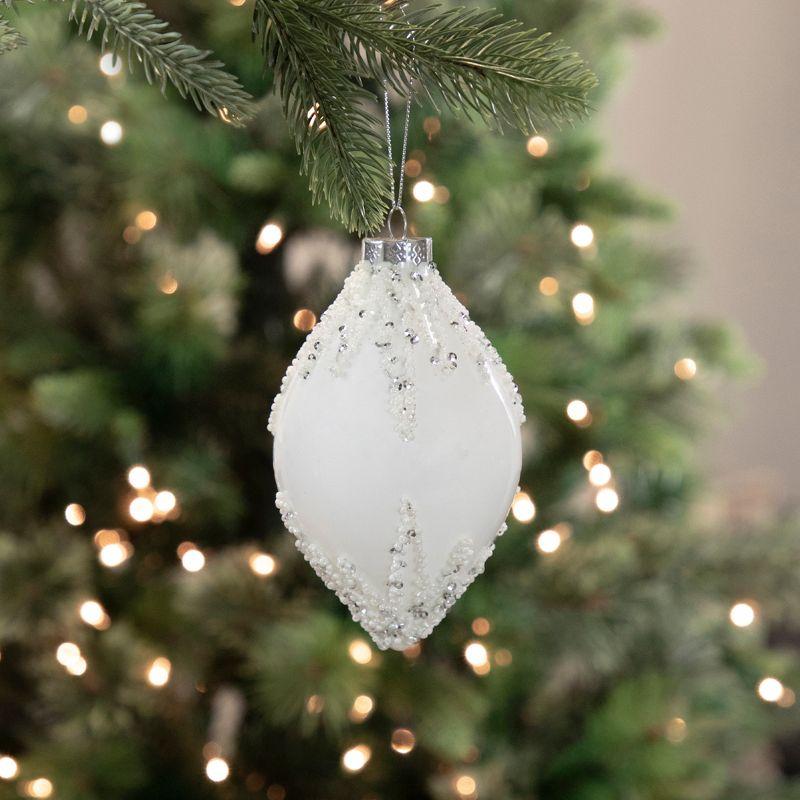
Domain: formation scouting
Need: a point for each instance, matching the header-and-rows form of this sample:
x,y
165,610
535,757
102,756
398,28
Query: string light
x,y
361,709
742,614
269,237
110,64
139,477
75,514
538,146
676,730
111,133
114,553
192,559
583,308
146,220
599,474
476,655
607,500
548,285
360,651
304,319
548,541
262,564
168,283
592,457
141,509
423,191
581,235
315,704
685,368
9,768
165,501
577,411
465,785
481,626
67,652
39,787
159,671
92,613
217,769
356,758
522,507
77,114
403,741
770,690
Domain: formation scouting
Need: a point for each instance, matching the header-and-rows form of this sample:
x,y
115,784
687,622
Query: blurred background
x,y
635,634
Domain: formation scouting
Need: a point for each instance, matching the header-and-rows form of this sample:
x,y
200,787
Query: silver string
x,y
396,199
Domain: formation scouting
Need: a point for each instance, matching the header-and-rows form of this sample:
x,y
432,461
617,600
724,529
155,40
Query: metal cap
x,y
416,250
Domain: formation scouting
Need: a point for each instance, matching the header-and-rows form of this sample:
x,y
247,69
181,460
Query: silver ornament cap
x,y
414,250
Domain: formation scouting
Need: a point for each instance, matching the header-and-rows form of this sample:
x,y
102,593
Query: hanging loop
x,y
396,199
390,220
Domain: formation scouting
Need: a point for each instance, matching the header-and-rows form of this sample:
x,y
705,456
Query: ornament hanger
x,y
396,199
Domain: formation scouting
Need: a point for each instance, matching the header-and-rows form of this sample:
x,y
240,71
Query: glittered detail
x,y
411,603
399,309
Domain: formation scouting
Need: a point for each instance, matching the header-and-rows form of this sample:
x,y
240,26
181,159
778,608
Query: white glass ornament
x,y
397,444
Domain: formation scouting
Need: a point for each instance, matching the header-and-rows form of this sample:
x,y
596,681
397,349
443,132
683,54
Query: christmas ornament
x,y
397,443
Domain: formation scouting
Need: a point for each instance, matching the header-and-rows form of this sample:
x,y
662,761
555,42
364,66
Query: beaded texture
x,y
397,308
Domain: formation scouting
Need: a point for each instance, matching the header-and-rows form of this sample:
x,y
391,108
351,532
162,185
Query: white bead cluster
x,y
412,603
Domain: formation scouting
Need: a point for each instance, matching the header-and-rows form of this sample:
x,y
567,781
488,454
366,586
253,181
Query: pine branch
x,y
322,51
341,149
473,59
10,37
129,26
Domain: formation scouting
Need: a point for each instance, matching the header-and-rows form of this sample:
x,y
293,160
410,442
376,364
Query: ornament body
x,y
397,445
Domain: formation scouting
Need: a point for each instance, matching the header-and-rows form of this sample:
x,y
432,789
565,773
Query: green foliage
x,y
10,37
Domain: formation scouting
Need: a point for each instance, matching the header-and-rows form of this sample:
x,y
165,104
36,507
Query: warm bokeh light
x,y
577,410
592,457
165,501
75,514
413,168
304,319
141,509
548,541
139,477
403,741
583,307
269,237
217,769
146,220
788,698
67,653
360,651
315,703
503,657
77,114
465,785
77,667
685,368
159,671
114,554
423,191
607,500
110,64
262,564
742,614
106,536
676,730
167,283
237,3
92,613
39,787
523,508
770,690
538,146
356,758
131,234
599,474
548,285
362,707
111,132
581,235
476,654
481,626
9,768
193,560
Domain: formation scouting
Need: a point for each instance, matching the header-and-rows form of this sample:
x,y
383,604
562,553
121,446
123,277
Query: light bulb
x,y
742,614
262,564
522,507
403,741
193,560
356,758
75,514
770,690
159,671
599,475
92,613
9,768
582,235
607,500
548,541
217,769
111,133
423,191
139,477
360,651
269,237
